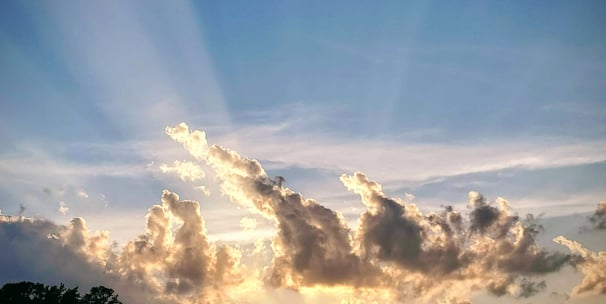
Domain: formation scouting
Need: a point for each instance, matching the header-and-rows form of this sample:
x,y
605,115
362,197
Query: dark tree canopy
x,y
37,293
100,294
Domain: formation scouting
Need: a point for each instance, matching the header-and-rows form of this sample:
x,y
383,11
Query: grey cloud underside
x,y
493,245
41,251
172,262
28,247
598,219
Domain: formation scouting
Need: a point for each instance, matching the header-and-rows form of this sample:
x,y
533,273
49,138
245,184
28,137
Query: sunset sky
x,y
382,113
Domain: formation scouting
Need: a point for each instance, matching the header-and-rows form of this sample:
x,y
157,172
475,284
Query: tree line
x,y
38,293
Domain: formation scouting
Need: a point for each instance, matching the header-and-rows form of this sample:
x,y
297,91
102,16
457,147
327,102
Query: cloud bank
x,y
171,262
397,253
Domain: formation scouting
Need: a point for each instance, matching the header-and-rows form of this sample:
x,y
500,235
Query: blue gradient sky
x,y
429,98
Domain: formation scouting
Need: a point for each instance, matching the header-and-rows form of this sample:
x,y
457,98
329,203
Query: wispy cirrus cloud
x,y
297,146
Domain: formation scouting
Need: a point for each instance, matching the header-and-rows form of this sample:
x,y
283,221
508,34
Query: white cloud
x,y
248,223
82,194
593,266
203,189
63,208
187,171
415,161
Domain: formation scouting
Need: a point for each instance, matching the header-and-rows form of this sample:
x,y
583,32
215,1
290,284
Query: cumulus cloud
x,y
313,243
38,250
187,171
592,265
398,253
172,262
194,142
181,262
392,232
63,209
495,251
396,245
94,246
598,219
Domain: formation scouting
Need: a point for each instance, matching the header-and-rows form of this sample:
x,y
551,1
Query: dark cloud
x,y
529,288
598,219
483,215
315,246
495,245
38,250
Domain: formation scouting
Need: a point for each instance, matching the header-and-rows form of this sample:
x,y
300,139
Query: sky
x,y
369,109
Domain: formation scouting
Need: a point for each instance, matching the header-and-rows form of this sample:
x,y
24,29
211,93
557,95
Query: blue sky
x,y
478,74
466,71
430,98
458,88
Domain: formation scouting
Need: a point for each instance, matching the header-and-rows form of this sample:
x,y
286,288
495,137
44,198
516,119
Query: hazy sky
x,y
431,99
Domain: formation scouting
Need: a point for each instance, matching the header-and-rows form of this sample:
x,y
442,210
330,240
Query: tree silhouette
x,y
61,295
100,295
37,293
23,292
